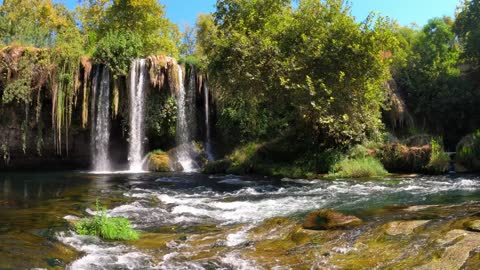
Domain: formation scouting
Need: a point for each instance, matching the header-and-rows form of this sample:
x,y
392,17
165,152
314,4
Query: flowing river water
x,y
195,221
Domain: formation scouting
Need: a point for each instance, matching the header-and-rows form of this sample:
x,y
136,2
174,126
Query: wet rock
x,y
159,162
460,244
416,208
473,225
403,227
326,219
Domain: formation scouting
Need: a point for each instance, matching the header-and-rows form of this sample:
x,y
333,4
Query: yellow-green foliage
x,y
243,155
106,227
159,161
358,168
438,159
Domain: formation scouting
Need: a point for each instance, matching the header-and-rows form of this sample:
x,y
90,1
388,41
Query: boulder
x,y
159,162
325,219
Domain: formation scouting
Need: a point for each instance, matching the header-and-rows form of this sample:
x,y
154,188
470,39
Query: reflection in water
x,y
25,191
6,186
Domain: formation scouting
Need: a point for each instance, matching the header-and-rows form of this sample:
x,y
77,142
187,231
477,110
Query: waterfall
x,y
101,120
184,145
208,145
137,77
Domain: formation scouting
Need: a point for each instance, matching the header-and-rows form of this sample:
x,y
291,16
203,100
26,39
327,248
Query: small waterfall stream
x,y
101,120
208,145
137,77
184,147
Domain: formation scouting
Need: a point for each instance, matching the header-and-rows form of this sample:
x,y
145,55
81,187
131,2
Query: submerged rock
x,y
473,225
159,162
403,227
459,244
325,219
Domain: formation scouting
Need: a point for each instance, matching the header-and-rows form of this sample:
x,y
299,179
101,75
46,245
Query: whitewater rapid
x,y
242,202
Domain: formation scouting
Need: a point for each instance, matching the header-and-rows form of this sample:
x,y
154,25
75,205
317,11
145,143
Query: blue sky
x,y
404,11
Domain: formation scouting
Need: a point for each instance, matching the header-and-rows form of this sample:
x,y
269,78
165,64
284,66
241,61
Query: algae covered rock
x,y
403,227
460,245
468,151
473,225
159,161
325,219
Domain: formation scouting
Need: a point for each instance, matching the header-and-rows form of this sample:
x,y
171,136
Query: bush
x,y
117,49
358,168
401,158
439,160
468,151
106,227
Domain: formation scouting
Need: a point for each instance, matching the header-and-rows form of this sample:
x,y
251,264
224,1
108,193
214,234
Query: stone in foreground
x,y
326,219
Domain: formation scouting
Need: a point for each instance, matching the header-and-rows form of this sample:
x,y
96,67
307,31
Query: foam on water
x,y
101,255
179,200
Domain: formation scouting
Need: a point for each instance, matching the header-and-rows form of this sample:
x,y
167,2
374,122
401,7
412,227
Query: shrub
x,y
468,151
108,228
401,158
439,160
117,49
218,166
358,168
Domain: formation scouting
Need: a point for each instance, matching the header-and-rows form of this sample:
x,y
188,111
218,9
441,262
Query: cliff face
x,y
46,115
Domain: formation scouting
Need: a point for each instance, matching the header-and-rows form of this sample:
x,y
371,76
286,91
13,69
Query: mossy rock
x,y
403,227
473,225
468,151
403,159
219,166
326,219
159,162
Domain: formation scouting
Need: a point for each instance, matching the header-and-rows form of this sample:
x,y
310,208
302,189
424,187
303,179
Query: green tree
x,y
433,84
91,14
32,23
467,27
145,18
309,69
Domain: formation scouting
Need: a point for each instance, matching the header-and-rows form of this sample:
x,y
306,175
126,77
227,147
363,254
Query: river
x,y
189,221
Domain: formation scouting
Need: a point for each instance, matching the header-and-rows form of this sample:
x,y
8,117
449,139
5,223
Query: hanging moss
x,y
157,66
87,69
173,80
115,97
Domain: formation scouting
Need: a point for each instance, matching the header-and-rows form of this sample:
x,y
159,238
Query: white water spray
x,y
101,121
137,79
184,147
208,145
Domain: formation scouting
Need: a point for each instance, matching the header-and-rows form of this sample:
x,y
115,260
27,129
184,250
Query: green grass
x,y
105,227
157,152
358,168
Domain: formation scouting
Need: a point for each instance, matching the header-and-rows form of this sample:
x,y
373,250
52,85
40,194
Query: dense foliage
x,y
310,69
292,82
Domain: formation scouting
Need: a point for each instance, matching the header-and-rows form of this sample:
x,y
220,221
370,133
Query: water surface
x,y
175,212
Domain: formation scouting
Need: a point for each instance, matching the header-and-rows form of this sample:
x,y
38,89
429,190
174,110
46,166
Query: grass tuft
x,y
358,168
117,228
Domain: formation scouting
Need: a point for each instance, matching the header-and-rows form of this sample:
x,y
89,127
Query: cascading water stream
x,y
183,152
137,79
208,145
101,121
